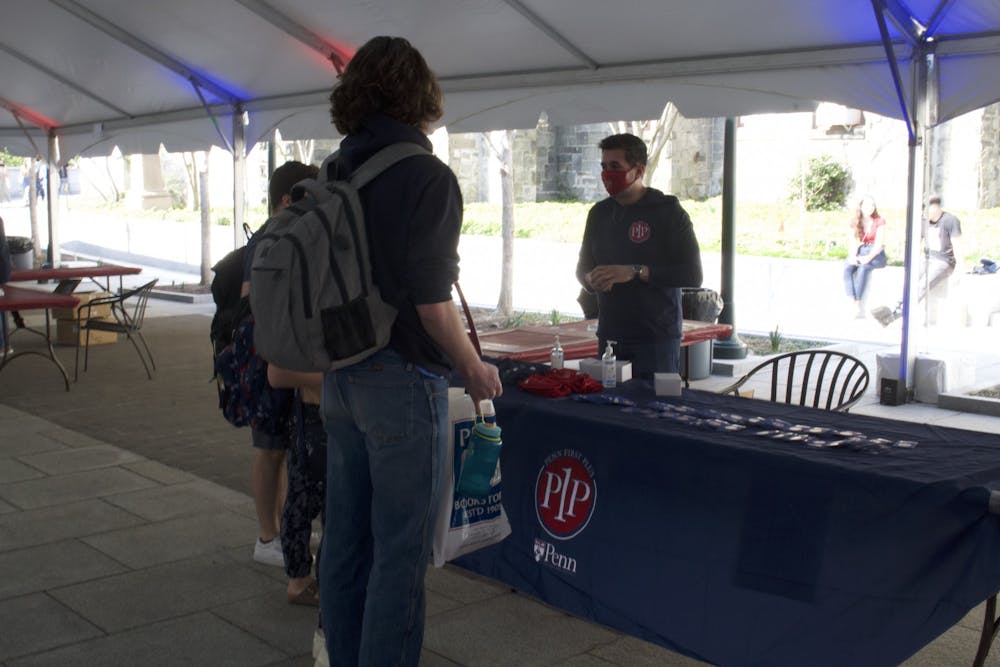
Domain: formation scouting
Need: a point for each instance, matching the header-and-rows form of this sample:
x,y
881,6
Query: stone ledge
x,y
737,368
182,297
966,403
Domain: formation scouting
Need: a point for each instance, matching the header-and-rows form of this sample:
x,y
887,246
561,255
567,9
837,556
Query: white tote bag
x,y
465,524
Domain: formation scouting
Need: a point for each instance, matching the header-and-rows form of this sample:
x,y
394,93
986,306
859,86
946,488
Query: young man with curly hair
x,y
386,417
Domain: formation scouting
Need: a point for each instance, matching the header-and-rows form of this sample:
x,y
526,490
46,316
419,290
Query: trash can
x,y
704,305
22,252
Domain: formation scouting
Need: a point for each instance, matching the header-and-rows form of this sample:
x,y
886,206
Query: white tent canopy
x,y
101,73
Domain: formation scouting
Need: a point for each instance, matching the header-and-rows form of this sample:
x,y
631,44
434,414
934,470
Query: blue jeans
x,y
856,280
856,275
659,356
386,425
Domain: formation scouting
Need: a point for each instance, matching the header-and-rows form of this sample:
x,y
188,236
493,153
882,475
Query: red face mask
x,y
615,181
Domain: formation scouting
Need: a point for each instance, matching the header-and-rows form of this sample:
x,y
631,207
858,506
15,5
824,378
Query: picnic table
x,y
16,300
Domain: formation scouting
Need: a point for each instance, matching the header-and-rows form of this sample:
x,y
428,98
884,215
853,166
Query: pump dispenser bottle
x,y
556,356
609,367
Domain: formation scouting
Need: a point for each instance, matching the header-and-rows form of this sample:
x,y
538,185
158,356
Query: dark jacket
x,y
657,232
6,264
413,212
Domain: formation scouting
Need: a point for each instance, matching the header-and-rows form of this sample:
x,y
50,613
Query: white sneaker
x,y
321,657
269,553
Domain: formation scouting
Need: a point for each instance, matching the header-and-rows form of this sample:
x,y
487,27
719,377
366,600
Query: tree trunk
x,y
206,228
661,135
505,303
115,193
191,169
39,252
304,151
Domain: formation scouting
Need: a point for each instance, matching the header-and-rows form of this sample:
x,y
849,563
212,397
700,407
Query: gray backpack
x,y
314,303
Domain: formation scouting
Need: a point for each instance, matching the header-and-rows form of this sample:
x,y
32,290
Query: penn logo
x,y
565,494
639,231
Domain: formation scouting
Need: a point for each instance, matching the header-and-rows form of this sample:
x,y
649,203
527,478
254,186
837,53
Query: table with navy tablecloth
x,y
740,549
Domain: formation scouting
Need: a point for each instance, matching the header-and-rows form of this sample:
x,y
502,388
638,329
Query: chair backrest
x,y
141,295
818,378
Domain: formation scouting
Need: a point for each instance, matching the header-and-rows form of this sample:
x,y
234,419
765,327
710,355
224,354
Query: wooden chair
x,y
817,378
125,319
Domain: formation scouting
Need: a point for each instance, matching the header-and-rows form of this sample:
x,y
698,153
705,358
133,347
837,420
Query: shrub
x,y
19,244
826,185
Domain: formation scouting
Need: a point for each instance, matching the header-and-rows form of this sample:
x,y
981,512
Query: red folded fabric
x,y
584,384
545,386
559,382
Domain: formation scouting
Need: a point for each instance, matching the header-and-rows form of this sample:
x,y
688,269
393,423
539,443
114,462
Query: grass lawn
x,y
781,230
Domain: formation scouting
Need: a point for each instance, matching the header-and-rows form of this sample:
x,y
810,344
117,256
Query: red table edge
x,y
710,331
22,298
24,275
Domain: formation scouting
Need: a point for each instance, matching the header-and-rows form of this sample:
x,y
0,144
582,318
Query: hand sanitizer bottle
x,y
556,356
609,367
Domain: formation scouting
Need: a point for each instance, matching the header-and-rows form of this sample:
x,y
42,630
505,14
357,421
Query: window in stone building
x,y
836,120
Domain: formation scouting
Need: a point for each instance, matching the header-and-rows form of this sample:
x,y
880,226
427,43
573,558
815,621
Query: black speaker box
x,y
892,392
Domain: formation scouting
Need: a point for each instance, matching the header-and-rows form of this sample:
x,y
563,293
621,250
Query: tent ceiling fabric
x,y
135,74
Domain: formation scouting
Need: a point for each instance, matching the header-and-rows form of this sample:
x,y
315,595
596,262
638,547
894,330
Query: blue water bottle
x,y
482,454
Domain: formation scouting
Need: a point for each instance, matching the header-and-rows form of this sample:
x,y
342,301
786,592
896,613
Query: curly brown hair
x,y
387,75
858,223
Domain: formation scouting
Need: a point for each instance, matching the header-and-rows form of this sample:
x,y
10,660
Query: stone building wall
x,y
469,159
525,160
570,166
989,162
696,152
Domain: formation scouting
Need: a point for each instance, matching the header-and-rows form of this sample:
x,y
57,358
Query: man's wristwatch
x,y
637,271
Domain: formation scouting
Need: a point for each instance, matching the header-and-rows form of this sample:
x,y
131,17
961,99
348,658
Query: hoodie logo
x,y
639,232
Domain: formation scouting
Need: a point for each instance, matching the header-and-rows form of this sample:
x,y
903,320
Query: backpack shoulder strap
x,y
328,170
384,159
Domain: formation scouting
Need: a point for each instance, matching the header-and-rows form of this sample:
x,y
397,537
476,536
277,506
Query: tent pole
x,y
923,118
272,164
239,174
732,347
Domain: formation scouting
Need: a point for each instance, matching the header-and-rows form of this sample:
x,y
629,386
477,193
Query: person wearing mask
x,y
639,248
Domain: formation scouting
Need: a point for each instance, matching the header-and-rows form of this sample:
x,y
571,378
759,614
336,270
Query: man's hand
x,y
602,278
482,380
441,321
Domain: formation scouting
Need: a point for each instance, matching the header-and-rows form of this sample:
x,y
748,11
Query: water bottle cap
x,y
486,408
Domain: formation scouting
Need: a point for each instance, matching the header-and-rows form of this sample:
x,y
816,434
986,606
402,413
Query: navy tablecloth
x,y
742,550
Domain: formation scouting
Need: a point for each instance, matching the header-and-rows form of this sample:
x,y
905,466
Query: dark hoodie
x,y
6,266
413,212
657,232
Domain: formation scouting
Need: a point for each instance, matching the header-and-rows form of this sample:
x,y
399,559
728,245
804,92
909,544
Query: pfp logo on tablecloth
x,y
565,494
